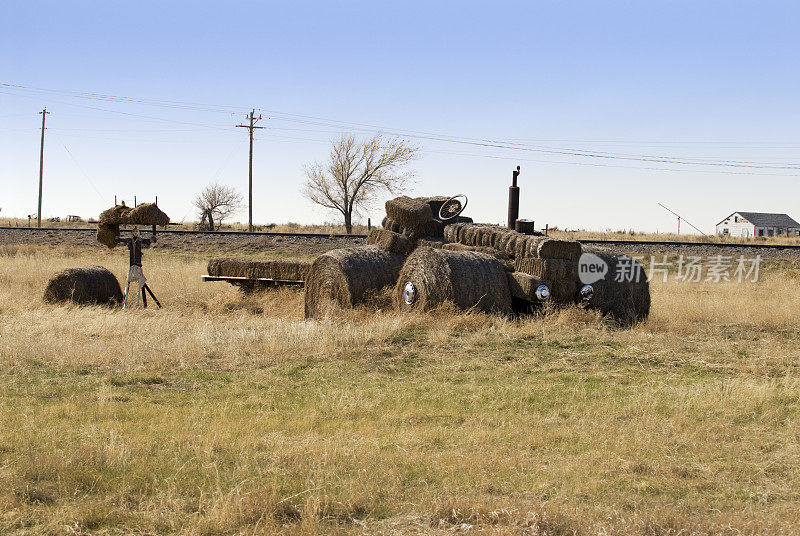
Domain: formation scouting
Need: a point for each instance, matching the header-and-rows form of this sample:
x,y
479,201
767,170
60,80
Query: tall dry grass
x,y
231,414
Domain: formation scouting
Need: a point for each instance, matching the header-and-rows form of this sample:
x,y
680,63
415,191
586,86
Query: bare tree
x,y
357,172
216,203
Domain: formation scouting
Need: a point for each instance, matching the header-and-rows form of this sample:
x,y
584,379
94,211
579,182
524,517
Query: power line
x,y
147,117
423,135
128,100
597,164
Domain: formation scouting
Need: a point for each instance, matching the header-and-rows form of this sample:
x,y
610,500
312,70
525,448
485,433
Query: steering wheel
x,y
452,207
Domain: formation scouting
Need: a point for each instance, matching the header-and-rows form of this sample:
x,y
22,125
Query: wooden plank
x,y
254,280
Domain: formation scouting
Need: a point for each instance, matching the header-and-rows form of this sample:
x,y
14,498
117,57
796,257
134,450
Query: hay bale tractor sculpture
x,y
430,255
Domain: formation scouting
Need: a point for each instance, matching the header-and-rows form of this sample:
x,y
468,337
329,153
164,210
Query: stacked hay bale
x,y
111,219
281,270
345,278
468,279
93,285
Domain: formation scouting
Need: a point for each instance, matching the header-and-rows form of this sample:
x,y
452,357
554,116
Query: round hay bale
x,y
93,285
451,231
477,238
625,302
468,279
107,234
344,278
488,237
115,215
521,246
147,214
511,244
497,234
472,233
467,234
532,246
507,242
503,237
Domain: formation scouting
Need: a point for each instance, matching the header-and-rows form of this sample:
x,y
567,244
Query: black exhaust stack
x,y
513,200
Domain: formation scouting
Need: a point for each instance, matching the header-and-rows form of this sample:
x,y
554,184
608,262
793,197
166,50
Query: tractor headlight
x,y
542,293
587,292
409,293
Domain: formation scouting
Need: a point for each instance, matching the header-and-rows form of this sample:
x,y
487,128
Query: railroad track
x,y
193,232
666,243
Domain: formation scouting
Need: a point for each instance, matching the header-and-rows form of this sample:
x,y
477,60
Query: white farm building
x,y
757,224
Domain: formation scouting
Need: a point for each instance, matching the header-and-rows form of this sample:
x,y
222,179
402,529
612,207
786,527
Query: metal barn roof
x,y
764,219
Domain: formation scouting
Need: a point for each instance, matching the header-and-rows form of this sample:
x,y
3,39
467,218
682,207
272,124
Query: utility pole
x,y
44,113
253,120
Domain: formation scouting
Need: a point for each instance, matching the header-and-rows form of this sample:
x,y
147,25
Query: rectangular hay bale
x,y
285,270
523,286
548,269
551,248
414,215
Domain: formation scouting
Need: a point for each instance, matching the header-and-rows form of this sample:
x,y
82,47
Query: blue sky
x,y
683,80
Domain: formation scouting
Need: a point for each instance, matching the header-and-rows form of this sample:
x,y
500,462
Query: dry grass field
x,y
224,414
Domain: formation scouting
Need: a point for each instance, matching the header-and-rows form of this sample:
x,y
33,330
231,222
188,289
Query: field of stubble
x,y
224,414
